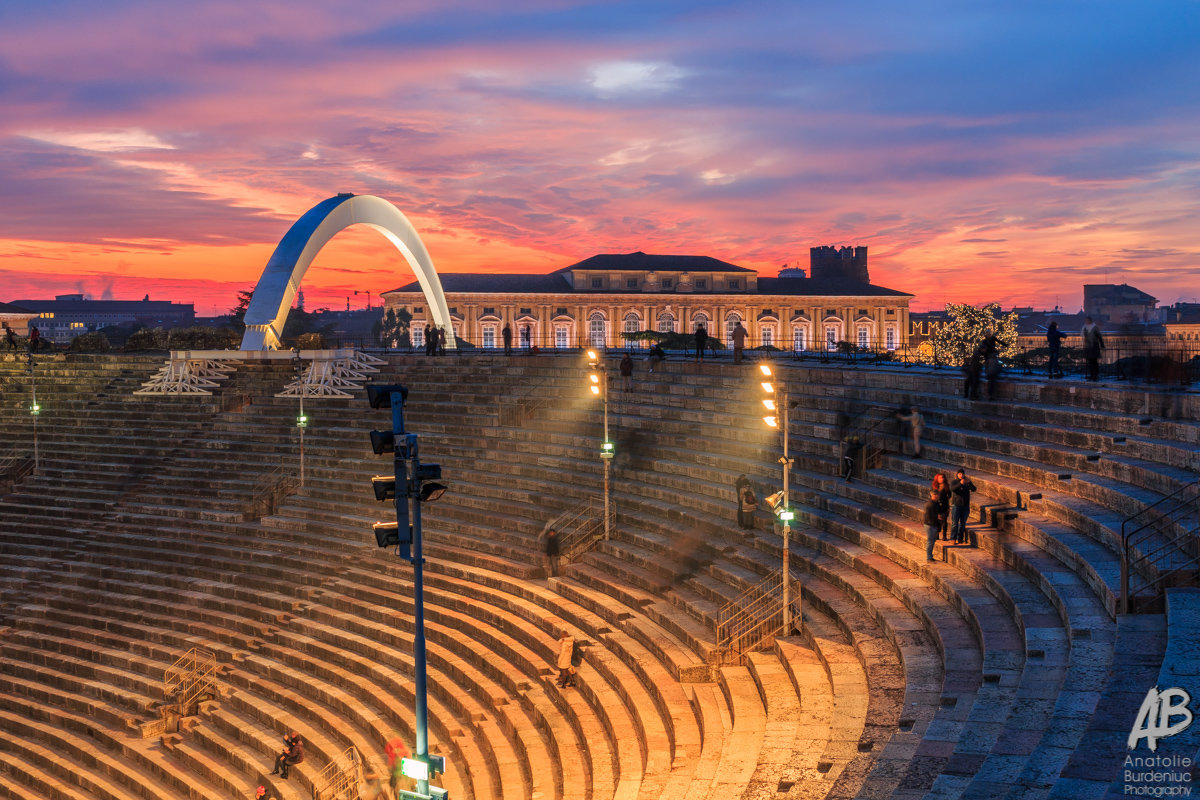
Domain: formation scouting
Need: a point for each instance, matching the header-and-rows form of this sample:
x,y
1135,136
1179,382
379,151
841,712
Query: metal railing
x,y
270,489
515,410
580,528
192,675
1160,547
748,622
341,779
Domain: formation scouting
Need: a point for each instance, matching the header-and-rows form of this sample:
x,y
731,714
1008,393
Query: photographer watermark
x,y
1159,775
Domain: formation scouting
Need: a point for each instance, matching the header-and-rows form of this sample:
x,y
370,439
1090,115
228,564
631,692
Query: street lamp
x,y
301,419
34,409
780,506
598,385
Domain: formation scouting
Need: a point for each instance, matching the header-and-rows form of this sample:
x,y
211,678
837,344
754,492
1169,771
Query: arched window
x,y
699,320
597,329
768,334
666,322
731,321
633,324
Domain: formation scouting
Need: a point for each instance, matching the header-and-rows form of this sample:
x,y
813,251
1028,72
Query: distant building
x,y
1120,303
1182,325
593,302
68,315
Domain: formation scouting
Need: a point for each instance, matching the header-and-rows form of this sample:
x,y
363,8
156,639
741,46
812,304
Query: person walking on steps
x,y
551,553
566,657
960,506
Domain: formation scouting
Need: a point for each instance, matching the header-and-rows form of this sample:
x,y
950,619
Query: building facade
x,y
69,315
595,302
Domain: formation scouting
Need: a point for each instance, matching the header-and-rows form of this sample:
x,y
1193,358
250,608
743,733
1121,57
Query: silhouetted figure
x,y
960,506
11,337
1093,343
942,487
990,351
912,418
852,447
1054,340
506,333
972,369
552,553
739,341
626,368
932,525
35,339
430,340
441,341
701,341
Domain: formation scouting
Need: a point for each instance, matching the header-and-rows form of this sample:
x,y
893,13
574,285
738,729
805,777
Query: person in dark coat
x,y
430,340
441,341
701,341
35,339
1093,343
1054,340
990,350
626,368
741,483
506,333
932,524
942,487
971,372
293,753
960,506
657,355
551,553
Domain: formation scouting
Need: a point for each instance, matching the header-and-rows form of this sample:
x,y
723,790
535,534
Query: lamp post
x,y
34,409
785,509
598,384
410,485
301,420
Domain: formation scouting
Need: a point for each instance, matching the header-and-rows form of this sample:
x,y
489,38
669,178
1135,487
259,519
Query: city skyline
x,y
1007,152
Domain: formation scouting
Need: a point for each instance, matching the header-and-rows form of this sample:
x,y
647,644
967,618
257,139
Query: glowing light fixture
x,y
765,369
768,404
771,422
595,389
768,388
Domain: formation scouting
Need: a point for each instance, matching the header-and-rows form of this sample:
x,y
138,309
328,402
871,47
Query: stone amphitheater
x,y
158,527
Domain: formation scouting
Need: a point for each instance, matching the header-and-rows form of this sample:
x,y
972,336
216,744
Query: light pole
x,y
301,420
598,383
410,485
784,508
34,409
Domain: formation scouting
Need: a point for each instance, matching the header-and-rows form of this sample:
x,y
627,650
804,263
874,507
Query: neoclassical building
x,y
593,302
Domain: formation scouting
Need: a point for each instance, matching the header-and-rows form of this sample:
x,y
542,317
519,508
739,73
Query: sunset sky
x,y
984,151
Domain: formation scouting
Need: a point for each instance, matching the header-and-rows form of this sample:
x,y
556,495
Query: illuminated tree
x,y
968,326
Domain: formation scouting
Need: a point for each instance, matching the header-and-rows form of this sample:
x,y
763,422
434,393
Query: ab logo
x,y
1157,710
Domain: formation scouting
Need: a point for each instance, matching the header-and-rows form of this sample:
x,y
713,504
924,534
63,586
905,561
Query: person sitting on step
x,y
293,753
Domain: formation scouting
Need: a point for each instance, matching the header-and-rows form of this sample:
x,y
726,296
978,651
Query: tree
x,y
394,332
237,314
968,326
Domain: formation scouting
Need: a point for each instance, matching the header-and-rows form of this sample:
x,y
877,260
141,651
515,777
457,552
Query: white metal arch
x,y
276,289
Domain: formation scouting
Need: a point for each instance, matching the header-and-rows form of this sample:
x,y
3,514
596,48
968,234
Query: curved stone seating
x,y
1005,650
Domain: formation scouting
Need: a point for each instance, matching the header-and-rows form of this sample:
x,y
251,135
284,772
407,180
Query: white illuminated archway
x,y
276,289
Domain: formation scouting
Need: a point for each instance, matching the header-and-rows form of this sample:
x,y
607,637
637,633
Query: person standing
x,y
739,341
916,424
747,505
1093,343
507,334
960,508
430,339
626,368
1054,340
11,337
565,662
35,339
741,483
931,524
990,350
942,487
971,370
551,553
441,341
701,341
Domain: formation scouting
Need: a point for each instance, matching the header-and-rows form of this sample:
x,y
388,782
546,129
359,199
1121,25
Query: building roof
x,y
110,306
639,261
816,287
496,284
13,308
1117,294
